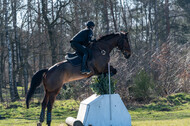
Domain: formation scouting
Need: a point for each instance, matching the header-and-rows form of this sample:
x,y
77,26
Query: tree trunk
x,y
10,61
142,24
25,50
167,18
50,28
1,68
1,64
53,44
76,14
151,27
136,27
15,61
96,21
124,18
113,16
2,53
156,26
105,16
1,83
39,36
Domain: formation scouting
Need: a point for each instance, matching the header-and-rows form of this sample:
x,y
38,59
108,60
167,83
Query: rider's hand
x,y
94,40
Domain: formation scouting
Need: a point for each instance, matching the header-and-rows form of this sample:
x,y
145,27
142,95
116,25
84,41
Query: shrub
x,y
66,93
178,99
143,87
100,85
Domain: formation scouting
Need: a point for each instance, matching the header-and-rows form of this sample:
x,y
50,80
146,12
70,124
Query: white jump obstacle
x,y
95,111
101,110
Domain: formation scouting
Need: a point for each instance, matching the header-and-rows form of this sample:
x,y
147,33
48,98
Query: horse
x,y
63,72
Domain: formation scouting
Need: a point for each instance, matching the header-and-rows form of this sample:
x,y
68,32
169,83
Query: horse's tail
x,y
36,81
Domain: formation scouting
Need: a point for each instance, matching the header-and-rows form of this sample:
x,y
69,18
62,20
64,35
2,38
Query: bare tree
x,y
113,15
167,18
15,48
50,25
106,17
1,51
10,61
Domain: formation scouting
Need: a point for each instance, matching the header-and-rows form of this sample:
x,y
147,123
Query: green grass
x,y
164,109
173,110
176,122
26,122
17,114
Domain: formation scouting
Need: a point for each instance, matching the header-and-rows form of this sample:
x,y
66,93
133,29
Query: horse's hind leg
x,y
44,105
52,97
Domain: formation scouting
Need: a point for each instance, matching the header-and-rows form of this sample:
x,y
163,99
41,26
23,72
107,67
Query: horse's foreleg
x,y
44,105
52,97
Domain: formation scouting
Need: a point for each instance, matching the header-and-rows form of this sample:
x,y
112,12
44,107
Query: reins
x,y
120,44
102,51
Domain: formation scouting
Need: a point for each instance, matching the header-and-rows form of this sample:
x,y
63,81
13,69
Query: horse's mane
x,y
106,37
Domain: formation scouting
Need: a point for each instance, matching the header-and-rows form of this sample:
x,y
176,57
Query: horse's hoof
x,y
39,124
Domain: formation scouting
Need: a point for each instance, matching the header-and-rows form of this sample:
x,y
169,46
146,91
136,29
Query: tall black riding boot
x,y
84,69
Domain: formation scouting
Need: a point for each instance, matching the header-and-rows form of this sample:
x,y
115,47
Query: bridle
x,y
121,44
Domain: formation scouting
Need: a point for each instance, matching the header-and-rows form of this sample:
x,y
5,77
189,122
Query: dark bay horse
x,y
60,73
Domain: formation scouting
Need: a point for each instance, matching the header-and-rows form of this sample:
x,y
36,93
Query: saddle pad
x,y
75,60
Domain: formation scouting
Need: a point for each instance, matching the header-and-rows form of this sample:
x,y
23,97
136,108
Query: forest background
x,y
35,34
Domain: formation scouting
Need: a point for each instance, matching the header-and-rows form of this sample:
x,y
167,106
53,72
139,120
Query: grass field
x,y
23,122
171,111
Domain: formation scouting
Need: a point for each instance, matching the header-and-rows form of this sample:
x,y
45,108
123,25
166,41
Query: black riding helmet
x,y
90,24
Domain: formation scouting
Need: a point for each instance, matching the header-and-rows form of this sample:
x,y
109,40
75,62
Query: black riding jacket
x,y
84,37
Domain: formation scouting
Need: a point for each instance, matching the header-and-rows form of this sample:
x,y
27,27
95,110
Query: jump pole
x,y
109,91
70,121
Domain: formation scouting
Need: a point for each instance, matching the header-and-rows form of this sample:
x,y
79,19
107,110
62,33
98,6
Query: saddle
x,y
74,58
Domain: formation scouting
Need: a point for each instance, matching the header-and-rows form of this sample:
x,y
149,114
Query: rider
x,y
80,42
